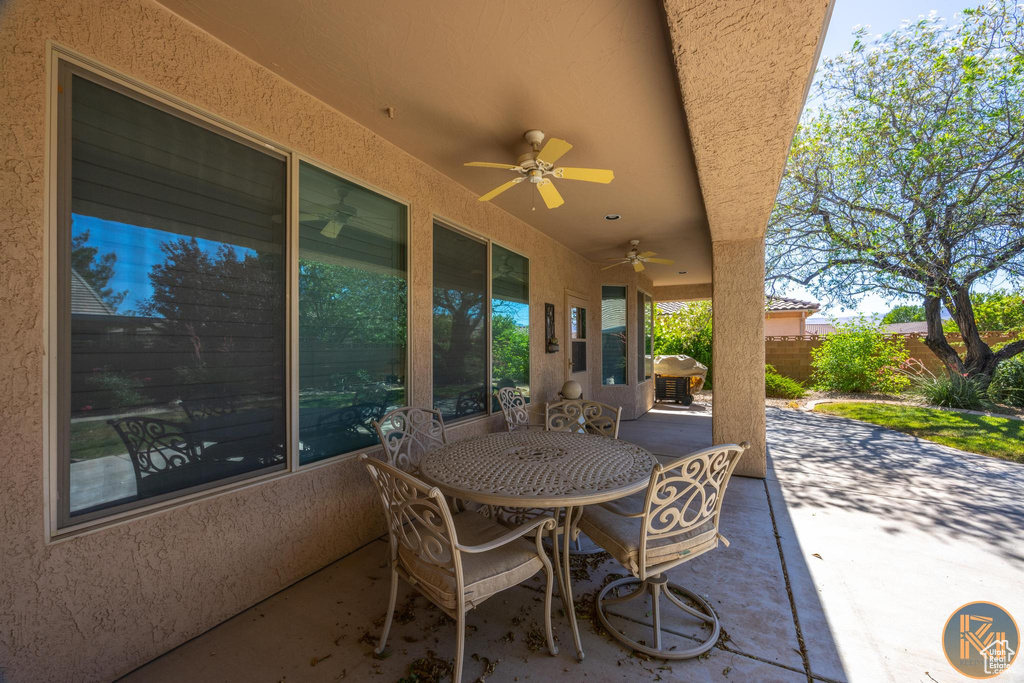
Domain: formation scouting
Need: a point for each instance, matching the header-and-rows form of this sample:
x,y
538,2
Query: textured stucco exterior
x,y
738,350
753,61
683,292
95,605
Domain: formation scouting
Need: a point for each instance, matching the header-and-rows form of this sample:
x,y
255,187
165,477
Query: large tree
x,y
906,174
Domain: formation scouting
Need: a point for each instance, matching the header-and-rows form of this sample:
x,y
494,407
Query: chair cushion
x,y
484,573
620,535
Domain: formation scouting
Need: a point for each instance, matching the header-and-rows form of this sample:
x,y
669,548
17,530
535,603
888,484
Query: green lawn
x,y
997,436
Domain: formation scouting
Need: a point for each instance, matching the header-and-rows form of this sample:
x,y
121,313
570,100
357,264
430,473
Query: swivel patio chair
x,y
676,520
514,408
585,417
457,561
408,434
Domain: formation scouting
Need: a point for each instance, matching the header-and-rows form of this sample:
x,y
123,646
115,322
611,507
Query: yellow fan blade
x,y
488,164
613,265
591,175
499,189
666,261
637,266
647,254
551,196
553,150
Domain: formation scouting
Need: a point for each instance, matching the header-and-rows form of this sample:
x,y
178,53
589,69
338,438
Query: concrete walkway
x,y
844,565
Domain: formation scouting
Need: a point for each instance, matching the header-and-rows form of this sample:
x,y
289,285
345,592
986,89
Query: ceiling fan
x,y
637,258
539,163
332,218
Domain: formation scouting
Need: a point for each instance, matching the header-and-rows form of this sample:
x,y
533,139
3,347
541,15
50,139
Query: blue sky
x,y
882,16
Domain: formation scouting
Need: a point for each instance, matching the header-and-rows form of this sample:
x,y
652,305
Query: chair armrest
x,y
547,522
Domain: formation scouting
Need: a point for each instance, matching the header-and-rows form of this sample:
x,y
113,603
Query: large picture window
x,y
460,324
613,335
510,321
171,302
352,312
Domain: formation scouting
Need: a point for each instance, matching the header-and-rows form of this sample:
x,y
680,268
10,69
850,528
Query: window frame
x,y
293,305
629,335
437,219
62,64
648,311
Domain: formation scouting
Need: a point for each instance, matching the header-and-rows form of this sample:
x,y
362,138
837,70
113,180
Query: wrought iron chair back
x,y
585,417
200,410
684,504
471,401
408,434
513,407
418,520
155,446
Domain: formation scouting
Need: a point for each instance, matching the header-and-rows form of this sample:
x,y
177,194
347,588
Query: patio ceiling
x,y
466,79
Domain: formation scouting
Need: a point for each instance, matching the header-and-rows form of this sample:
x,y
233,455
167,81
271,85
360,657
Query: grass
x,y
999,437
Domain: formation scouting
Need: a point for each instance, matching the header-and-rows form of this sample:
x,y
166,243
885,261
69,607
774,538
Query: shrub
x,y
951,391
779,386
859,357
1008,384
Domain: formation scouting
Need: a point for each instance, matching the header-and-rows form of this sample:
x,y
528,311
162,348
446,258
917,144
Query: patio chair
x,y
456,561
201,410
585,417
676,520
471,401
165,456
513,407
408,434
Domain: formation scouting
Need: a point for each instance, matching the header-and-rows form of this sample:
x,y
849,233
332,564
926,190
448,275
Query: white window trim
x,y
641,343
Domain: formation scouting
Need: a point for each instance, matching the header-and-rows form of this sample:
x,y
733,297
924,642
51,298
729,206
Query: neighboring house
x,y
821,329
783,317
85,300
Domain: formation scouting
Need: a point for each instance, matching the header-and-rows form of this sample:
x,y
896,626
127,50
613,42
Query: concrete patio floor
x,y
844,565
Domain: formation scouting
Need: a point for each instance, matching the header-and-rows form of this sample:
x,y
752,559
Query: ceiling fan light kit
x,y
538,166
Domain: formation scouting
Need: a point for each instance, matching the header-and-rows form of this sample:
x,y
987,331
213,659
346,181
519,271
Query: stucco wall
x,y
96,605
738,350
783,324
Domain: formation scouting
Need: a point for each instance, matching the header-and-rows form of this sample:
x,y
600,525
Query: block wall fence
x,y
791,356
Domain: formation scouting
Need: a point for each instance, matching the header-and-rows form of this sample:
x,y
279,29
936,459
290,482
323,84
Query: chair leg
x,y
657,586
460,641
391,612
549,573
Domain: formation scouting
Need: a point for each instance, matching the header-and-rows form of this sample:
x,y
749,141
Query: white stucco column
x,y
738,349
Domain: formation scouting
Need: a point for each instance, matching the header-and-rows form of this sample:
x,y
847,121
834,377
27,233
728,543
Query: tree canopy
x,y
906,174
904,314
95,271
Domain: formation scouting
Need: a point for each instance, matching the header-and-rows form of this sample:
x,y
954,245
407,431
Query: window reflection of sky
x,y
516,310
138,249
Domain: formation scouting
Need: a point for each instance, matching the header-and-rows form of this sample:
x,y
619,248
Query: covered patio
x,y
246,231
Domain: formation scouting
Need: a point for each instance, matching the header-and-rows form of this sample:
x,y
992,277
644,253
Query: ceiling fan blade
x,y
591,175
666,261
637,266
647,254
488,164
550,194
499,189
331,230
615,258
553,150
613,265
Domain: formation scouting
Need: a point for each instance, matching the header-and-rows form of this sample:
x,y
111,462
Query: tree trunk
x,y
979,361
936,338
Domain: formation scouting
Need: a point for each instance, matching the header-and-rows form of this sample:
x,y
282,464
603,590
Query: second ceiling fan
x,y
538,166
637,258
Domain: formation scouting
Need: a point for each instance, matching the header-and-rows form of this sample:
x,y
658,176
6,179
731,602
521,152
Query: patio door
x,y
576,352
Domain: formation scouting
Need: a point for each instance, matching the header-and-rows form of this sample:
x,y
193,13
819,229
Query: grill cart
x,y
677,378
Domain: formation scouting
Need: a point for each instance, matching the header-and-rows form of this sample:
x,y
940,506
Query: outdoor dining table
x,y
561,471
